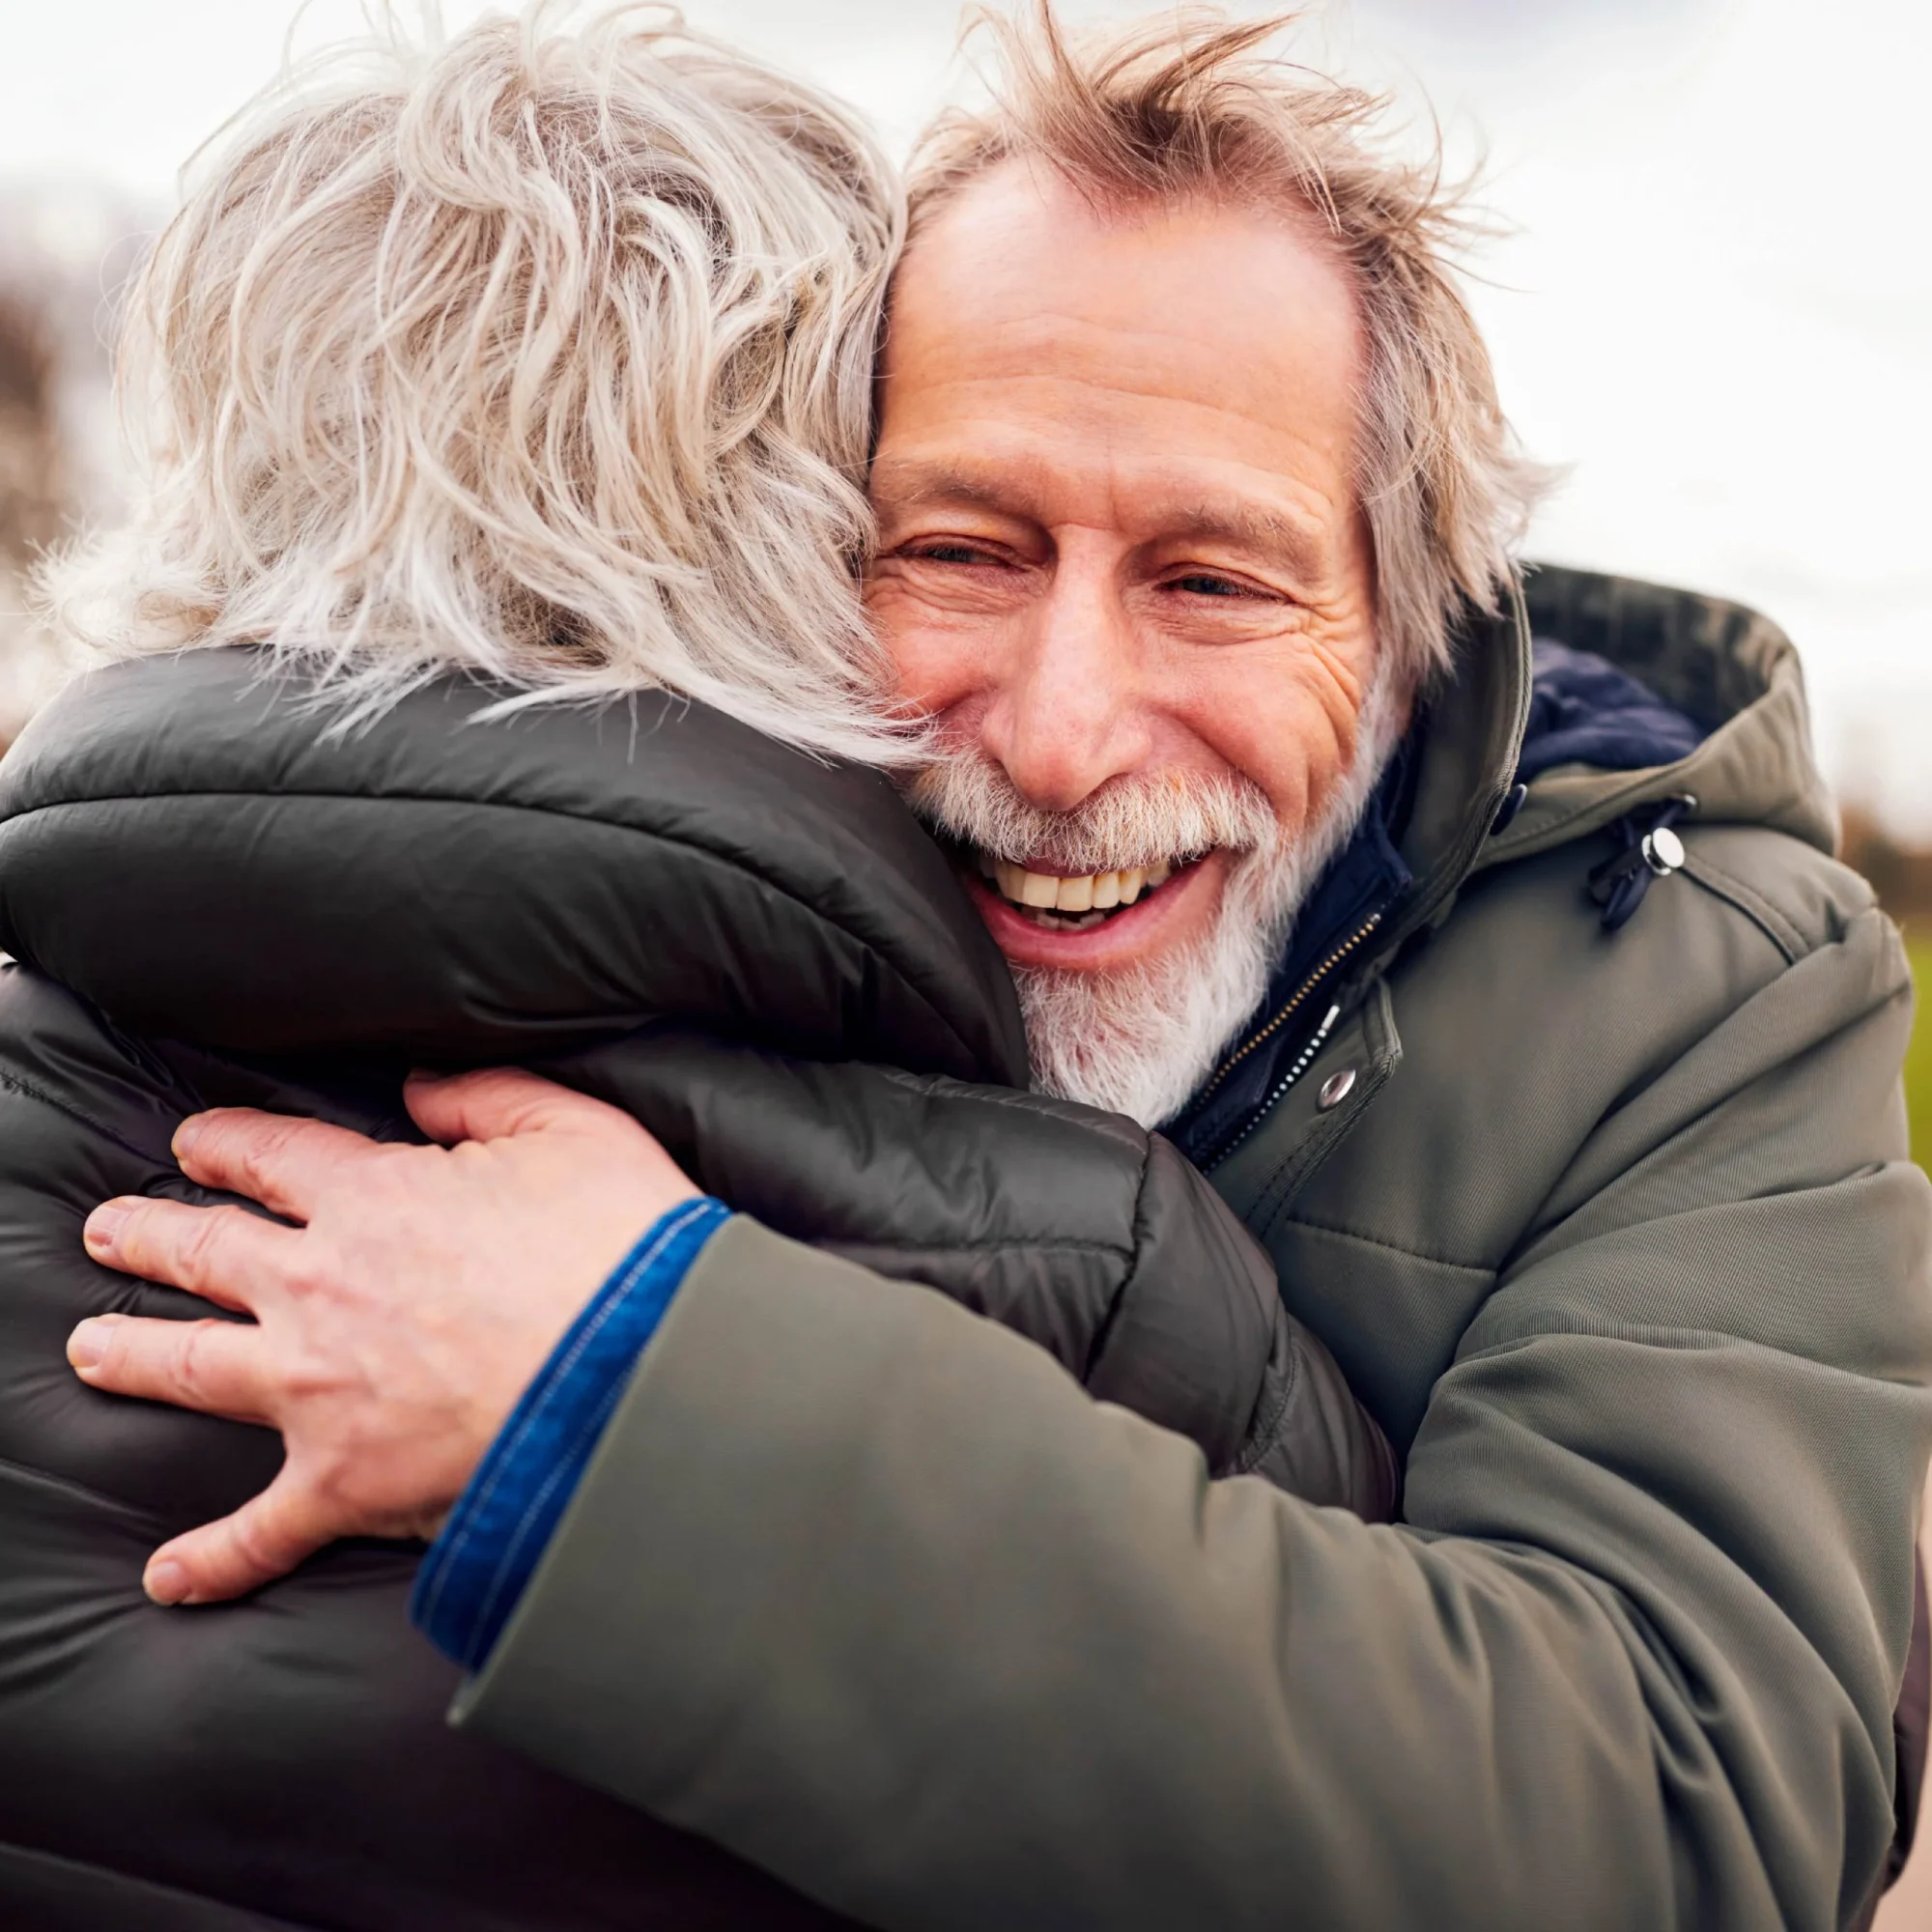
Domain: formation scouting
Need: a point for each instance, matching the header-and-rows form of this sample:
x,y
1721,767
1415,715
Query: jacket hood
x,y
1732,672
184,843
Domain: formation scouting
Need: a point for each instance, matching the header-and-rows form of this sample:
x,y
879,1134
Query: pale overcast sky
x,y
1717,307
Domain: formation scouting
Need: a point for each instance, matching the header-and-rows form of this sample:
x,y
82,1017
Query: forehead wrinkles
x,y
1297,428
1193,413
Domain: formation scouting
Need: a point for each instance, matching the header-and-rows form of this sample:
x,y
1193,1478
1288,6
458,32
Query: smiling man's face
x,y
1122,562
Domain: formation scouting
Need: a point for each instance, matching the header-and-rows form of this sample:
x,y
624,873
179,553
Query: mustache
x,y
1135,819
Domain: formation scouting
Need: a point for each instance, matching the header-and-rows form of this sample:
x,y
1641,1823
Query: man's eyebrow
x,y
917,486
1252,525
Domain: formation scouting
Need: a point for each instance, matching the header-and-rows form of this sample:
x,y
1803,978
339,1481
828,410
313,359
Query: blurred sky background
x,y
1716,305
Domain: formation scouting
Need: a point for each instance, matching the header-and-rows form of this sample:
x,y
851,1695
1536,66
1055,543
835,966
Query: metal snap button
x,y
1335,1090
1507,810
1662,851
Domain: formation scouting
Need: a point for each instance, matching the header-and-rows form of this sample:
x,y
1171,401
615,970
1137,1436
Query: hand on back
x,y
396,1327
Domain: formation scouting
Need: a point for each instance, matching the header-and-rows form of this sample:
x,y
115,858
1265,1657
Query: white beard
x,y
1140,1041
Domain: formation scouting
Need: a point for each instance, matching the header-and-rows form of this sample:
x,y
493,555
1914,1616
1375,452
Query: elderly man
x,y
1534,1032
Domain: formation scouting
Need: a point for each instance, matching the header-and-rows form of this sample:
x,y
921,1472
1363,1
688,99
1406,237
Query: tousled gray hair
x,y
1190,104
544,350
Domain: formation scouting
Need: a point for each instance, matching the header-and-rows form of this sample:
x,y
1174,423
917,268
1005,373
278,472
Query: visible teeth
x,y
1086,898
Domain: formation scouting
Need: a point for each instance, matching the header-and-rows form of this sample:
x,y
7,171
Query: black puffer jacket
x,y
761,958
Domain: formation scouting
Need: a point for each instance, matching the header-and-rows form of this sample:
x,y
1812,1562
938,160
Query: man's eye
x,y
946,552
1204,583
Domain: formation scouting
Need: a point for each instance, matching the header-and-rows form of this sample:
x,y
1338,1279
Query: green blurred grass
x,y
1918,1057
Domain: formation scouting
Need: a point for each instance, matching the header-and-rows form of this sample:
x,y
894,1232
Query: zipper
x,y
1282,1018
1442,880
1317,1041
1303,1061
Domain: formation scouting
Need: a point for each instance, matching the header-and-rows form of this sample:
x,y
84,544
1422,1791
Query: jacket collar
x,y
1421,831
1649,693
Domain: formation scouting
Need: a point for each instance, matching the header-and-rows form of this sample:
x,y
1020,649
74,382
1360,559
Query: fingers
x,y
217,1367
266,1538
225,1255
497,1102
283,1163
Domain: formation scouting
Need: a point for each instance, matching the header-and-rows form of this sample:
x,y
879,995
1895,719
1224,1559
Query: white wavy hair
x,y
544,350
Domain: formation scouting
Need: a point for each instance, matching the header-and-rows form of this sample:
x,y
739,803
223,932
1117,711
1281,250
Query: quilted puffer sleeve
x,y
1074,1228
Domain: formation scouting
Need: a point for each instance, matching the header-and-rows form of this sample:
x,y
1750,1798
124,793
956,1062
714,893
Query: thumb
x,y
266,1538
495,1102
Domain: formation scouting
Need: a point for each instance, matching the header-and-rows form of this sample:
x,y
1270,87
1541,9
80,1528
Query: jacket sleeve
x,y
872,1593
1196,1337
1074,1228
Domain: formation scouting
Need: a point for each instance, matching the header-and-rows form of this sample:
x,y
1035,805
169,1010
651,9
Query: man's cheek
x,y
1301,746
944,672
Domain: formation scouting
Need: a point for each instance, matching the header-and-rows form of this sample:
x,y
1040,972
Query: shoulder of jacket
x,y
1524,956
1799,897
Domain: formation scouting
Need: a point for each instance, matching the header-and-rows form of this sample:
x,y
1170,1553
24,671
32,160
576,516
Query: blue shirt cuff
x,y
495,1536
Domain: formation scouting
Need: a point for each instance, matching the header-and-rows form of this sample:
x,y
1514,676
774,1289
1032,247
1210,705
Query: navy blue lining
x,y
1364,878
1584,711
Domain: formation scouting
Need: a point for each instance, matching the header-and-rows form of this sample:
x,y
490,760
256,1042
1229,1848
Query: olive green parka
x,y
1615,1235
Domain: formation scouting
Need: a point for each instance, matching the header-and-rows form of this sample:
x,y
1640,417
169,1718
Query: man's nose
x,y
1070,715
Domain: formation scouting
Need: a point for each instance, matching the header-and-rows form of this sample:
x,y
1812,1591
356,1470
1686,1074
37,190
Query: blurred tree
x,y
31,482
1901,875
66,249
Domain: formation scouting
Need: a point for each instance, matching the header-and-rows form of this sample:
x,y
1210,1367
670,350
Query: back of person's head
x,y
541,350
